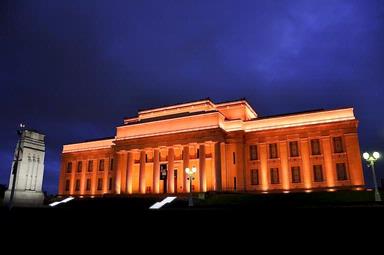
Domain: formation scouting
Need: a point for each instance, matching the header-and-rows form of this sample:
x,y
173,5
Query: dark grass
x,y
290,200
218,213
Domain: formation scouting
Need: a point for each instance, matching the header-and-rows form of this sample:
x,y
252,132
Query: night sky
x,y
75,69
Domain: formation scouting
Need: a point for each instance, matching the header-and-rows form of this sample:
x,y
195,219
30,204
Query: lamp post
x,y
190,172
15,165
371,159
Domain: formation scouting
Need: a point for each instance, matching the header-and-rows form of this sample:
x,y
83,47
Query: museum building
x,y
229,145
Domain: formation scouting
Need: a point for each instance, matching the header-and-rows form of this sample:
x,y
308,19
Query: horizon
x,y
73,70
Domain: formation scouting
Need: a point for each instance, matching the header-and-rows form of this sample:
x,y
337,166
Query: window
x,y
79,166
69,167
77,186
296,178
275,176
294,149
338,145
315,147
110,184
88,186
101,165
273,150
318,173
253,152
341,172
254,177
198,153
90,165
111,165
234,157
99,184
146,158
67,185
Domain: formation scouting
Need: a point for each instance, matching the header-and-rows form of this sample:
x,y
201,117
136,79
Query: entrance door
x,y
175,180
163,177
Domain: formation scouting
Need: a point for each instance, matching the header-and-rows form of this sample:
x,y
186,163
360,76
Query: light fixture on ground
x,y
371,159
190,172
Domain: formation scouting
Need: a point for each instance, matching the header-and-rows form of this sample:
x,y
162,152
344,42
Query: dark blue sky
x,y
74,69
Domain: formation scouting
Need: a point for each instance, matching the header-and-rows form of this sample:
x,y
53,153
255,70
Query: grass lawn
x,y
313,199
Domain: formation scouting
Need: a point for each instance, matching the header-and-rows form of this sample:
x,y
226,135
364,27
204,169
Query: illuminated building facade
x,y
232,148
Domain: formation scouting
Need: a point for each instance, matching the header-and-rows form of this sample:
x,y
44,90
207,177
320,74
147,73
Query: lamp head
x,y
187,171
194,169
376,155
366,155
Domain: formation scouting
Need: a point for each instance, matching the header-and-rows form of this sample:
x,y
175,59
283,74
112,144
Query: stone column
x,y
72,182
218,180
123,178
142,184
328,162
185,165
305,156
203,175
82,180
129,172
156,171
94,176
284,165
354,168
121,166
62,178
171,166
105,175
264,166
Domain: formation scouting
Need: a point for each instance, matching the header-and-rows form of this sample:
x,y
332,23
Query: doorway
x,y
175,180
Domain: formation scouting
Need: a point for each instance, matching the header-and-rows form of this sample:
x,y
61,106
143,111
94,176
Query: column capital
x,y
121,152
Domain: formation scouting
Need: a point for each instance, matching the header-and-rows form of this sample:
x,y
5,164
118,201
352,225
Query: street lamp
x,y
190,172
16,165
371,159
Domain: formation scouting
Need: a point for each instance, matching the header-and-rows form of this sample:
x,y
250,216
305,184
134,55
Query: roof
x,y
171,116
93,140
291,113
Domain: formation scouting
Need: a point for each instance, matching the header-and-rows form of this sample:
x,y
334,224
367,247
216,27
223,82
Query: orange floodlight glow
x,y
228,143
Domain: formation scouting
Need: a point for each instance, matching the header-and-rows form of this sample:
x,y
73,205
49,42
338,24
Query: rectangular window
x,y
254,177
253,152
110,184
90,165
341,171
101,165
234,157
315,147
198,153
111,165
296,178
99,184
294,149
338,145
79,166
318,173
273,151
88,186
69,167
146,158
67,185
275,176
77,186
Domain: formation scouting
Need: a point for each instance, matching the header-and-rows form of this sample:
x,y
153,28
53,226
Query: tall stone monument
x,y
30,152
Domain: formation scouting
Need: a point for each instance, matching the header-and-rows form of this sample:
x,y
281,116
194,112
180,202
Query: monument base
x,y
25,198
